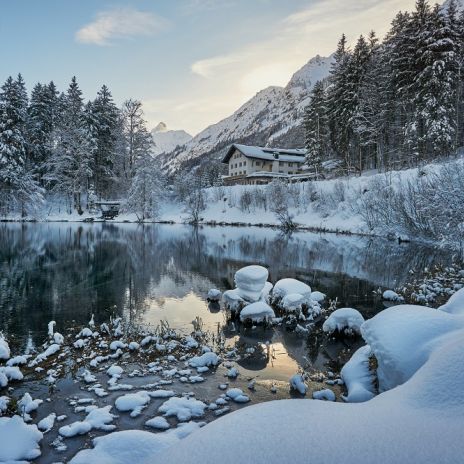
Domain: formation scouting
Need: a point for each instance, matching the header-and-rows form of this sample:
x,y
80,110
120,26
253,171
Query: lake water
x,y
68,271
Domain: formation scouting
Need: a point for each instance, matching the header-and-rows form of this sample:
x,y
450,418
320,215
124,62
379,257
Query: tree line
x,y
56,144
392,104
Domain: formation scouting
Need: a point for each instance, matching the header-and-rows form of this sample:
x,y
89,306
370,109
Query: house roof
x,y
296,155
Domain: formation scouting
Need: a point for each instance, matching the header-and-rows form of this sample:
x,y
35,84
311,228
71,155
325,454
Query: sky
x,y
191,62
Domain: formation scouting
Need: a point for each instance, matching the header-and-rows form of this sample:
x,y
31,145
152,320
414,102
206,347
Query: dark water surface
x,y
68,271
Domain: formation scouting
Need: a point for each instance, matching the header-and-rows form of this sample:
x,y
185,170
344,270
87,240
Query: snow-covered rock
x,y
158,422
133,402
325,394
237,395
232,300
183,408
250,282
214,294
297,383
257,312
402,338
293,302
46,424
290,286
318,297
19,441
344,320
206,359
390,295
358,378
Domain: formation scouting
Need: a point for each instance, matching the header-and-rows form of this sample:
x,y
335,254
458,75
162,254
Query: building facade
x,y
258,165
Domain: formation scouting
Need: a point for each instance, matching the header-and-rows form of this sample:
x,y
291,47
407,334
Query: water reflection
x,y
67,272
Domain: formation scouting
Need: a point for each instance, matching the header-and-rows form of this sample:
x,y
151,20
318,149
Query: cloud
x,y
120,23
197,6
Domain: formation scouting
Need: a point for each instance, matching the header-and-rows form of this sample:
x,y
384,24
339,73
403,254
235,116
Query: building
x,y
258,165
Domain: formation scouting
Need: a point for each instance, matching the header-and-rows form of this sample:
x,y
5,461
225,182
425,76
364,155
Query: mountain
x,y
166,141
273,117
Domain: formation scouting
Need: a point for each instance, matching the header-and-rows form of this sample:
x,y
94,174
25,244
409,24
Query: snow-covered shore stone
x,y
214,294
288,286
344,320
5,352
250,281
257,312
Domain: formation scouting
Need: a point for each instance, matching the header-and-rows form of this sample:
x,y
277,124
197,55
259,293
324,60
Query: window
x,y
281,163
258,163
290,165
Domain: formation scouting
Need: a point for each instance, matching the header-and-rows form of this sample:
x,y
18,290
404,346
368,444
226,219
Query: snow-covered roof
x,y
296,155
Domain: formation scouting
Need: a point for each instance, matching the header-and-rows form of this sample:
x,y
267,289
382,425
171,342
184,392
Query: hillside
x,y
273,117
165,140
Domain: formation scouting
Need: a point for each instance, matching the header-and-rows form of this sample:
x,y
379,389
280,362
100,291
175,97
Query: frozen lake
x,y
68,271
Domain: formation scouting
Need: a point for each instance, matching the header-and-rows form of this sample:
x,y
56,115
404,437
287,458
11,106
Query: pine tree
x,y
104,132
316,129
70,167
19,189
40,126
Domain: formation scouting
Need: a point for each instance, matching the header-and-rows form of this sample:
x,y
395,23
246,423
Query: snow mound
x,y
358,378
344,320
133,402
455,304
318,296
159,423
402,338
183,408
288,286
326,395
346,433
250,282
293,302
233,300
206,359
390,295
214,294
18,441
237,395
257,312
298,384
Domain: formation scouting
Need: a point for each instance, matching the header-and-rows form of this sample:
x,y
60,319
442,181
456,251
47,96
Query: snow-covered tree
x,y
317,129
70,166
19,188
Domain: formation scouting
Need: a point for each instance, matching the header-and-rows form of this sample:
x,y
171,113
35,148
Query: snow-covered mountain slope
x,y
168,140
273,117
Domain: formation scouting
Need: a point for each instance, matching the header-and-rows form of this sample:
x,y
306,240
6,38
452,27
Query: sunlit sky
x,y
191,62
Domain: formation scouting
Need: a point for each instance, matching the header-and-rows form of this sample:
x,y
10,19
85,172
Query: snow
x,y
237,395
206,359
165,141
326,394
398,426
291,286
344,320
214,294
18,441
115,371
183,408
4,401
317,296
132,446
158,422
133,402
27,405
97,418
297,383
257,312
76,428
18,360
390,295
357,377
455,305
292,302
250,282
233,300
402,338
4,348
47,423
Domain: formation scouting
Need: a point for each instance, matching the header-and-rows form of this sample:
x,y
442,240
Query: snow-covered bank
x,y
415,204
420,420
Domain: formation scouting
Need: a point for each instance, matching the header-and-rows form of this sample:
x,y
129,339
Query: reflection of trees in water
x,y
68,271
